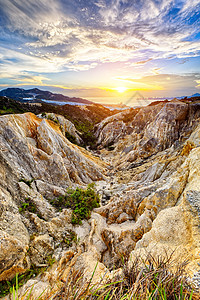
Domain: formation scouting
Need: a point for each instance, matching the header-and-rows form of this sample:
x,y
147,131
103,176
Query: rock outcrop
x,y
150,195
36,163
65,125
146,131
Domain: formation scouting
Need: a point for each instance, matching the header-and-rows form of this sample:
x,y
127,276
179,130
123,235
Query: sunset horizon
x,y
101,49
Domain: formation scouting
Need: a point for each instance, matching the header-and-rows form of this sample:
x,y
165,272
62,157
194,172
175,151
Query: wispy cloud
x,y
50,36
32,79
100,31
143,62
156,71
165,81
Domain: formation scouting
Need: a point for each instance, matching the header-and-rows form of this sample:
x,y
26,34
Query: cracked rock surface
x,y
149,185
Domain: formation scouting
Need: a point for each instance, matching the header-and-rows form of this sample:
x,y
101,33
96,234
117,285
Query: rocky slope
x,y
83,117
67,127
36,163
149,184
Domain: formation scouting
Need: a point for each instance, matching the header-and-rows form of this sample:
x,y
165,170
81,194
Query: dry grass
x,y
149,279
187,148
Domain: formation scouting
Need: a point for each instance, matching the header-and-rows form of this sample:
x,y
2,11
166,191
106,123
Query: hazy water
x,y
62,102
110,102
129,102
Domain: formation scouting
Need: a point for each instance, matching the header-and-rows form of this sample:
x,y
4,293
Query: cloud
x,y
198,83
32,79
14,62
100,39
142,62
156,71
67,33
166,82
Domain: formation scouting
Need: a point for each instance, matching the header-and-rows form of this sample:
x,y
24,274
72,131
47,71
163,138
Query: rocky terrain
x,y
83,117
146,169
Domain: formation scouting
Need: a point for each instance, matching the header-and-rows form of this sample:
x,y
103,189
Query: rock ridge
x,y
149,184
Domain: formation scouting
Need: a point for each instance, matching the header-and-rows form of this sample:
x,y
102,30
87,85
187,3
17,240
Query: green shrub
x,y
70,238
70,137
81,201
51,118
87,132
30,206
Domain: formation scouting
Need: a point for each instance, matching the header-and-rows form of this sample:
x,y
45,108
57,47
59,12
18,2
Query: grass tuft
x,y
149,279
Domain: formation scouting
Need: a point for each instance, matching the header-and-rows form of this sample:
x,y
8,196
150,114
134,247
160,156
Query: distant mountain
x,y
195,95
23,95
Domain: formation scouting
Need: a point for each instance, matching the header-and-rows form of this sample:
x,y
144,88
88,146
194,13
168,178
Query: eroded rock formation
x,y
151,192
36,163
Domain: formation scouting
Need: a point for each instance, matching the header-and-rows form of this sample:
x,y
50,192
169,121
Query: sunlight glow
x,y
121,89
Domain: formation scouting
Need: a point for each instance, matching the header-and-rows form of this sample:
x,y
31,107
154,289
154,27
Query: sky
x,y
104,50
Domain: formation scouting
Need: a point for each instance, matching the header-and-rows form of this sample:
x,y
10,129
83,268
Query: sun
x,y
121,89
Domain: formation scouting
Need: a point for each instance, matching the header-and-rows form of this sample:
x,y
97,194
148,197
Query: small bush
x,y
28,205
51,118
70,238
70,137
80,201
87,133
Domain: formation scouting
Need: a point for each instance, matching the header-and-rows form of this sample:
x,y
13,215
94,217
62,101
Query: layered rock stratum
x,y
146,170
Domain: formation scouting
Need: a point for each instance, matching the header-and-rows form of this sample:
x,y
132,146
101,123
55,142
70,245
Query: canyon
x,y
146,169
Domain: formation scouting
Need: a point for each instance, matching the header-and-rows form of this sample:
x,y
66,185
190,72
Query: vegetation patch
x,y
9,106
70,137
83,119
18,281
87,130
30,206
81,201
53,119
5,111
70,238
146,279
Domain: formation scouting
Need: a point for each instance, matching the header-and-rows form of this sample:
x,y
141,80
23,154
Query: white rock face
x,y
152,198
65,125
137,134
36,163
36,148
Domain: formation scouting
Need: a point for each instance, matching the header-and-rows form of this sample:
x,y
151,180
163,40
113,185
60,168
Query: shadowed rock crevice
x,y
149,184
